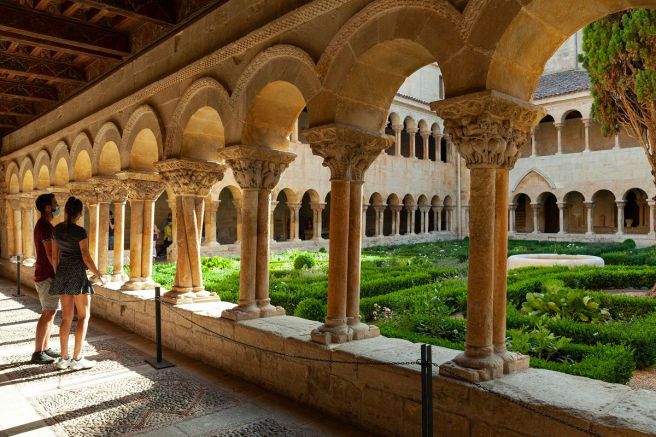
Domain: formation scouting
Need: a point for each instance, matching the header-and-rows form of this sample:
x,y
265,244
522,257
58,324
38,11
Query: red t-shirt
x,y
42,268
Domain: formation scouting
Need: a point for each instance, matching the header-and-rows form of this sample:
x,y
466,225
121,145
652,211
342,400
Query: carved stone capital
x,y
347,151
141,185
190,177
256,167
108,189
84,191
489,128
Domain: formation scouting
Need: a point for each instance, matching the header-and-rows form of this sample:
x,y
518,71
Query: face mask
x,y
55,212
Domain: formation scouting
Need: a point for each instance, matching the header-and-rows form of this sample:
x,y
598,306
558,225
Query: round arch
x,y
81,157
60,164
270,95
42,169
202,108
142,141
26,174
11,178
106,153
604,213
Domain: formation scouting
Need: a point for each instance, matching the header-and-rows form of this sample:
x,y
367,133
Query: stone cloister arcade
x,y
190,122
573,214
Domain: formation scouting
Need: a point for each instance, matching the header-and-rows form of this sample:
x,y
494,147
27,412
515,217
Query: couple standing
x,y
62,258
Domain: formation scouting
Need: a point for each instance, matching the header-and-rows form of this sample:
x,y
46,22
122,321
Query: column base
x,y
318,239
513,362
473,369
337,333
651,234
589,233
119,277
210,245
177,297
240,313
271,311
138,284
362,331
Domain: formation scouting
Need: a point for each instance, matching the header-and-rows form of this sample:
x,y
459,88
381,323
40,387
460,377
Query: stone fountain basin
x,y
550,259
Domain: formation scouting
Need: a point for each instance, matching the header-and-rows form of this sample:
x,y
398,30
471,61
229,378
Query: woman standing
x,y
71,260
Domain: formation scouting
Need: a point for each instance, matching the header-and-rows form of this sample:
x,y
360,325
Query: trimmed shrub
x,y
311,309
304,260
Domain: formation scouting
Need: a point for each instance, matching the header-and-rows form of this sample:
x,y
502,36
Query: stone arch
x,y
143,131
375,200
11,178
306,216
227,218
81,157
377,49
636,211
549,213
523,213
270,95
60,164
395,118
106,153
435,200
533,33
575,213
533,182
201,109
26,174
42,169
604,216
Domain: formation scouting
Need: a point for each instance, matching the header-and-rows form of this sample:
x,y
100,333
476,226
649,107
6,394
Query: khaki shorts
x,y
48,301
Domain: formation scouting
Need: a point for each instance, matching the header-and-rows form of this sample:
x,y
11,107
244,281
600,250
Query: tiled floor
x,y
123,395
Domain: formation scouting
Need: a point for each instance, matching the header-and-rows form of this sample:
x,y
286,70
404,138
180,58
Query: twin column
x,y
489,128
348,153
257,171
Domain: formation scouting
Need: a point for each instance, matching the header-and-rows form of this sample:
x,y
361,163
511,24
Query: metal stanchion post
x,y
426,391
158,362
18,278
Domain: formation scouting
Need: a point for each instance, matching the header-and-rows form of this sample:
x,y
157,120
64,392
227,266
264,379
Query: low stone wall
x,y
641,240
380,399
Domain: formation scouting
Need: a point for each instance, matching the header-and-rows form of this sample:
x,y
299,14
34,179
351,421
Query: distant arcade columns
x,y
561,217
398,129
347,152
489,128
652,210
257,170
396,219
620,216
211,208
294,222
317,211
589,207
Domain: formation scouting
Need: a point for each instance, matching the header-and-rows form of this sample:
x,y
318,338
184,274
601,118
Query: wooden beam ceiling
x,y
158,12
16,109
23,91
35,28
40,68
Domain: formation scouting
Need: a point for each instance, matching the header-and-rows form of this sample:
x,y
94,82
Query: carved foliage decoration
x,y
489,128
188,177
109,189
347,151
256,167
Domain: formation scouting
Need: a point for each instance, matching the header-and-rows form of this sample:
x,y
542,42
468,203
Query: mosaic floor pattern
x,y
123,396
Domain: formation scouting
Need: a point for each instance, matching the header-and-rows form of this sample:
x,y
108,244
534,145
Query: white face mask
x,y
55,212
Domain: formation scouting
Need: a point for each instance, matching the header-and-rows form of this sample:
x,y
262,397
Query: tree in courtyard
x,y
620,56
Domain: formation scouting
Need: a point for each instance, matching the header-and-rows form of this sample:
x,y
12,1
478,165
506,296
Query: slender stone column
x,y
533,144
396,215
620,217
11,228
365,207
317,209
561,217
118,275
142,188
513,210
190,181
438,145
535,208
103,188
586,125
424,137
559,134
348,153
465,212
257,170
489,128
27,221
411,133
211,207
411,219
272,208
423,219
589,217
449,218
617,142
294,225
380,211
398,128
652,209
18,226
237,204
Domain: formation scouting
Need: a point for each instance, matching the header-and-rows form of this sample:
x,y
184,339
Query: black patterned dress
x,y
71,275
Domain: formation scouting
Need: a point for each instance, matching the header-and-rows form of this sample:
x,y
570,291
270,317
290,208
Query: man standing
x,y
44,274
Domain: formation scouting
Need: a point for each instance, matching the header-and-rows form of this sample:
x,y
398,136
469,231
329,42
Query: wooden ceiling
x,y
50,49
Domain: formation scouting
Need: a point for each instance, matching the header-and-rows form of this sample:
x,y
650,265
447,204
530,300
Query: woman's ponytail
x,y
72,209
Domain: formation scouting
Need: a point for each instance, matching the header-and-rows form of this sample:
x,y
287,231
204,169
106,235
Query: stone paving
x,y
123,395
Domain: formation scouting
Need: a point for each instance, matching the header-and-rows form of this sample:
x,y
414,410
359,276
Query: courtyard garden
x,y
594,322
